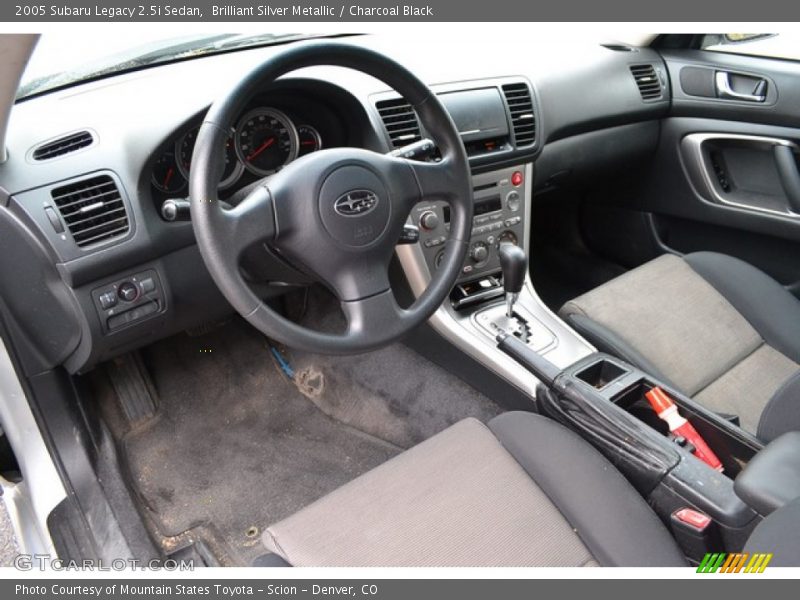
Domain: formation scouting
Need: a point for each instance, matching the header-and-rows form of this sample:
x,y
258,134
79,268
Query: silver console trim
x,y
543,340
463,333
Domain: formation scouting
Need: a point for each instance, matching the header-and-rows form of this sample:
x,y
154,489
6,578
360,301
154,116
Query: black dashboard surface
x,y
140,122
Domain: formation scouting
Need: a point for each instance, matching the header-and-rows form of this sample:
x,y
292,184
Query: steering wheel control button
x,y
429,220
107,300
437,241
354,206
516,179
128,291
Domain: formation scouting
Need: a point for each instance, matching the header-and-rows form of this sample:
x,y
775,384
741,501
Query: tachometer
x,y
266,140
166,176
231,172
309,140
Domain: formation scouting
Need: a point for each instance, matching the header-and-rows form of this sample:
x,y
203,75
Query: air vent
x,y
400,121
93,210
63,145
647,80
523,119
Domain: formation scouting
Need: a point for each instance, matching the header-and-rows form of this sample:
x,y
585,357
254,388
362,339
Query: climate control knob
x,y
429,220
479,252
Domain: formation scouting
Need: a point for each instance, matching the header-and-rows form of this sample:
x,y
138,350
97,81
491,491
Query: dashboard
x,y
274,129
118,275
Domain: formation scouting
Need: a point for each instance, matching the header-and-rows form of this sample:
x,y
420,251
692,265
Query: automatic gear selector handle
x,y
514,264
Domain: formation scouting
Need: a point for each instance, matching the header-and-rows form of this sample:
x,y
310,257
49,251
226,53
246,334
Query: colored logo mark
x,y
722,562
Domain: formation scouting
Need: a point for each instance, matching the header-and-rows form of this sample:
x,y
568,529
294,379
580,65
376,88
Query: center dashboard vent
x,y
400,121
647,81
63,145
93,210
523,119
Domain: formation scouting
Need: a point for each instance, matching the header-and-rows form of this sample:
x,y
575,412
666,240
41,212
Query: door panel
x,y
694,87
747,171
726,176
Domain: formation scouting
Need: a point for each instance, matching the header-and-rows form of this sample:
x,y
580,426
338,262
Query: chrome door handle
x,y
724,90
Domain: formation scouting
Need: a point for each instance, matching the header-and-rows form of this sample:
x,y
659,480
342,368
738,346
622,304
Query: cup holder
x,y
601,373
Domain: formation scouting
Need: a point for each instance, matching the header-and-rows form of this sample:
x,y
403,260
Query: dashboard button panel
x,y
498,218
128,300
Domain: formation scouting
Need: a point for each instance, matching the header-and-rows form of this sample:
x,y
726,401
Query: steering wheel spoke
x,y
435,179
374,316
251,221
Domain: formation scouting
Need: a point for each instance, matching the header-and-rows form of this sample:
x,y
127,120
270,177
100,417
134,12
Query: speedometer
x,y
266,140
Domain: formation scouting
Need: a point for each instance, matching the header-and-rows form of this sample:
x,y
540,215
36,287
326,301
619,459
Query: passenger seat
x,y
712,326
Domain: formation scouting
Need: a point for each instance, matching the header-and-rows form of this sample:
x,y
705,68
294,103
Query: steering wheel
x,y
337,213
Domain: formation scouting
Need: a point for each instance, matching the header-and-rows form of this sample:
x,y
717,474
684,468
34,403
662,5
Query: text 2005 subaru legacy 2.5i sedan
x,y
273,300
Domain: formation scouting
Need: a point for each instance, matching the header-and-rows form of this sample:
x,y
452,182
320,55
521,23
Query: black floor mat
x,y
392,393
235,446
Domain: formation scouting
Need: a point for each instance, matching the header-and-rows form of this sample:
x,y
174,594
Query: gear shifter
x,y
514,264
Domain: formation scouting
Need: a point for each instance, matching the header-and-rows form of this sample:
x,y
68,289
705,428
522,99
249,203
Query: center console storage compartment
x,y
626,386
603,400
601,373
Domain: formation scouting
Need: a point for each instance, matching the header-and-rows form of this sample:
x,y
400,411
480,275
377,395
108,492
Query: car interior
x,y
357,302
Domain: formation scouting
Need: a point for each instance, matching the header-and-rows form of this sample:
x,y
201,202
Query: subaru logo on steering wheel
x,y
356,203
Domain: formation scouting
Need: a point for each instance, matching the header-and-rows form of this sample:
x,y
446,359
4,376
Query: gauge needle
x,y
167,179
261,148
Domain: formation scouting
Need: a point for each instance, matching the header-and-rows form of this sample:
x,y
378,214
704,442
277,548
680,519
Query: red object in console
x,y
516,179
692,517
668,412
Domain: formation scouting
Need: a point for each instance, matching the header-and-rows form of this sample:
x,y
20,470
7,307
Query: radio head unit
x,y
499,217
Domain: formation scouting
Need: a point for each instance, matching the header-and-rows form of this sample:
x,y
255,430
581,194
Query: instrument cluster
x,y
263,141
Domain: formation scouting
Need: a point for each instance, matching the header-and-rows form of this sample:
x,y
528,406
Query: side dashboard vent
x,y
93,210
63,145
400,121
523,119
647,80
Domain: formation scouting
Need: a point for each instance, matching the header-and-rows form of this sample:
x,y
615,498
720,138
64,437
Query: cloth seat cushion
x,y
714,327
461,498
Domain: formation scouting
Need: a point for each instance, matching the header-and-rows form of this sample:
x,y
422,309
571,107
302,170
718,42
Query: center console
x,y
603,399
477,310
499,217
